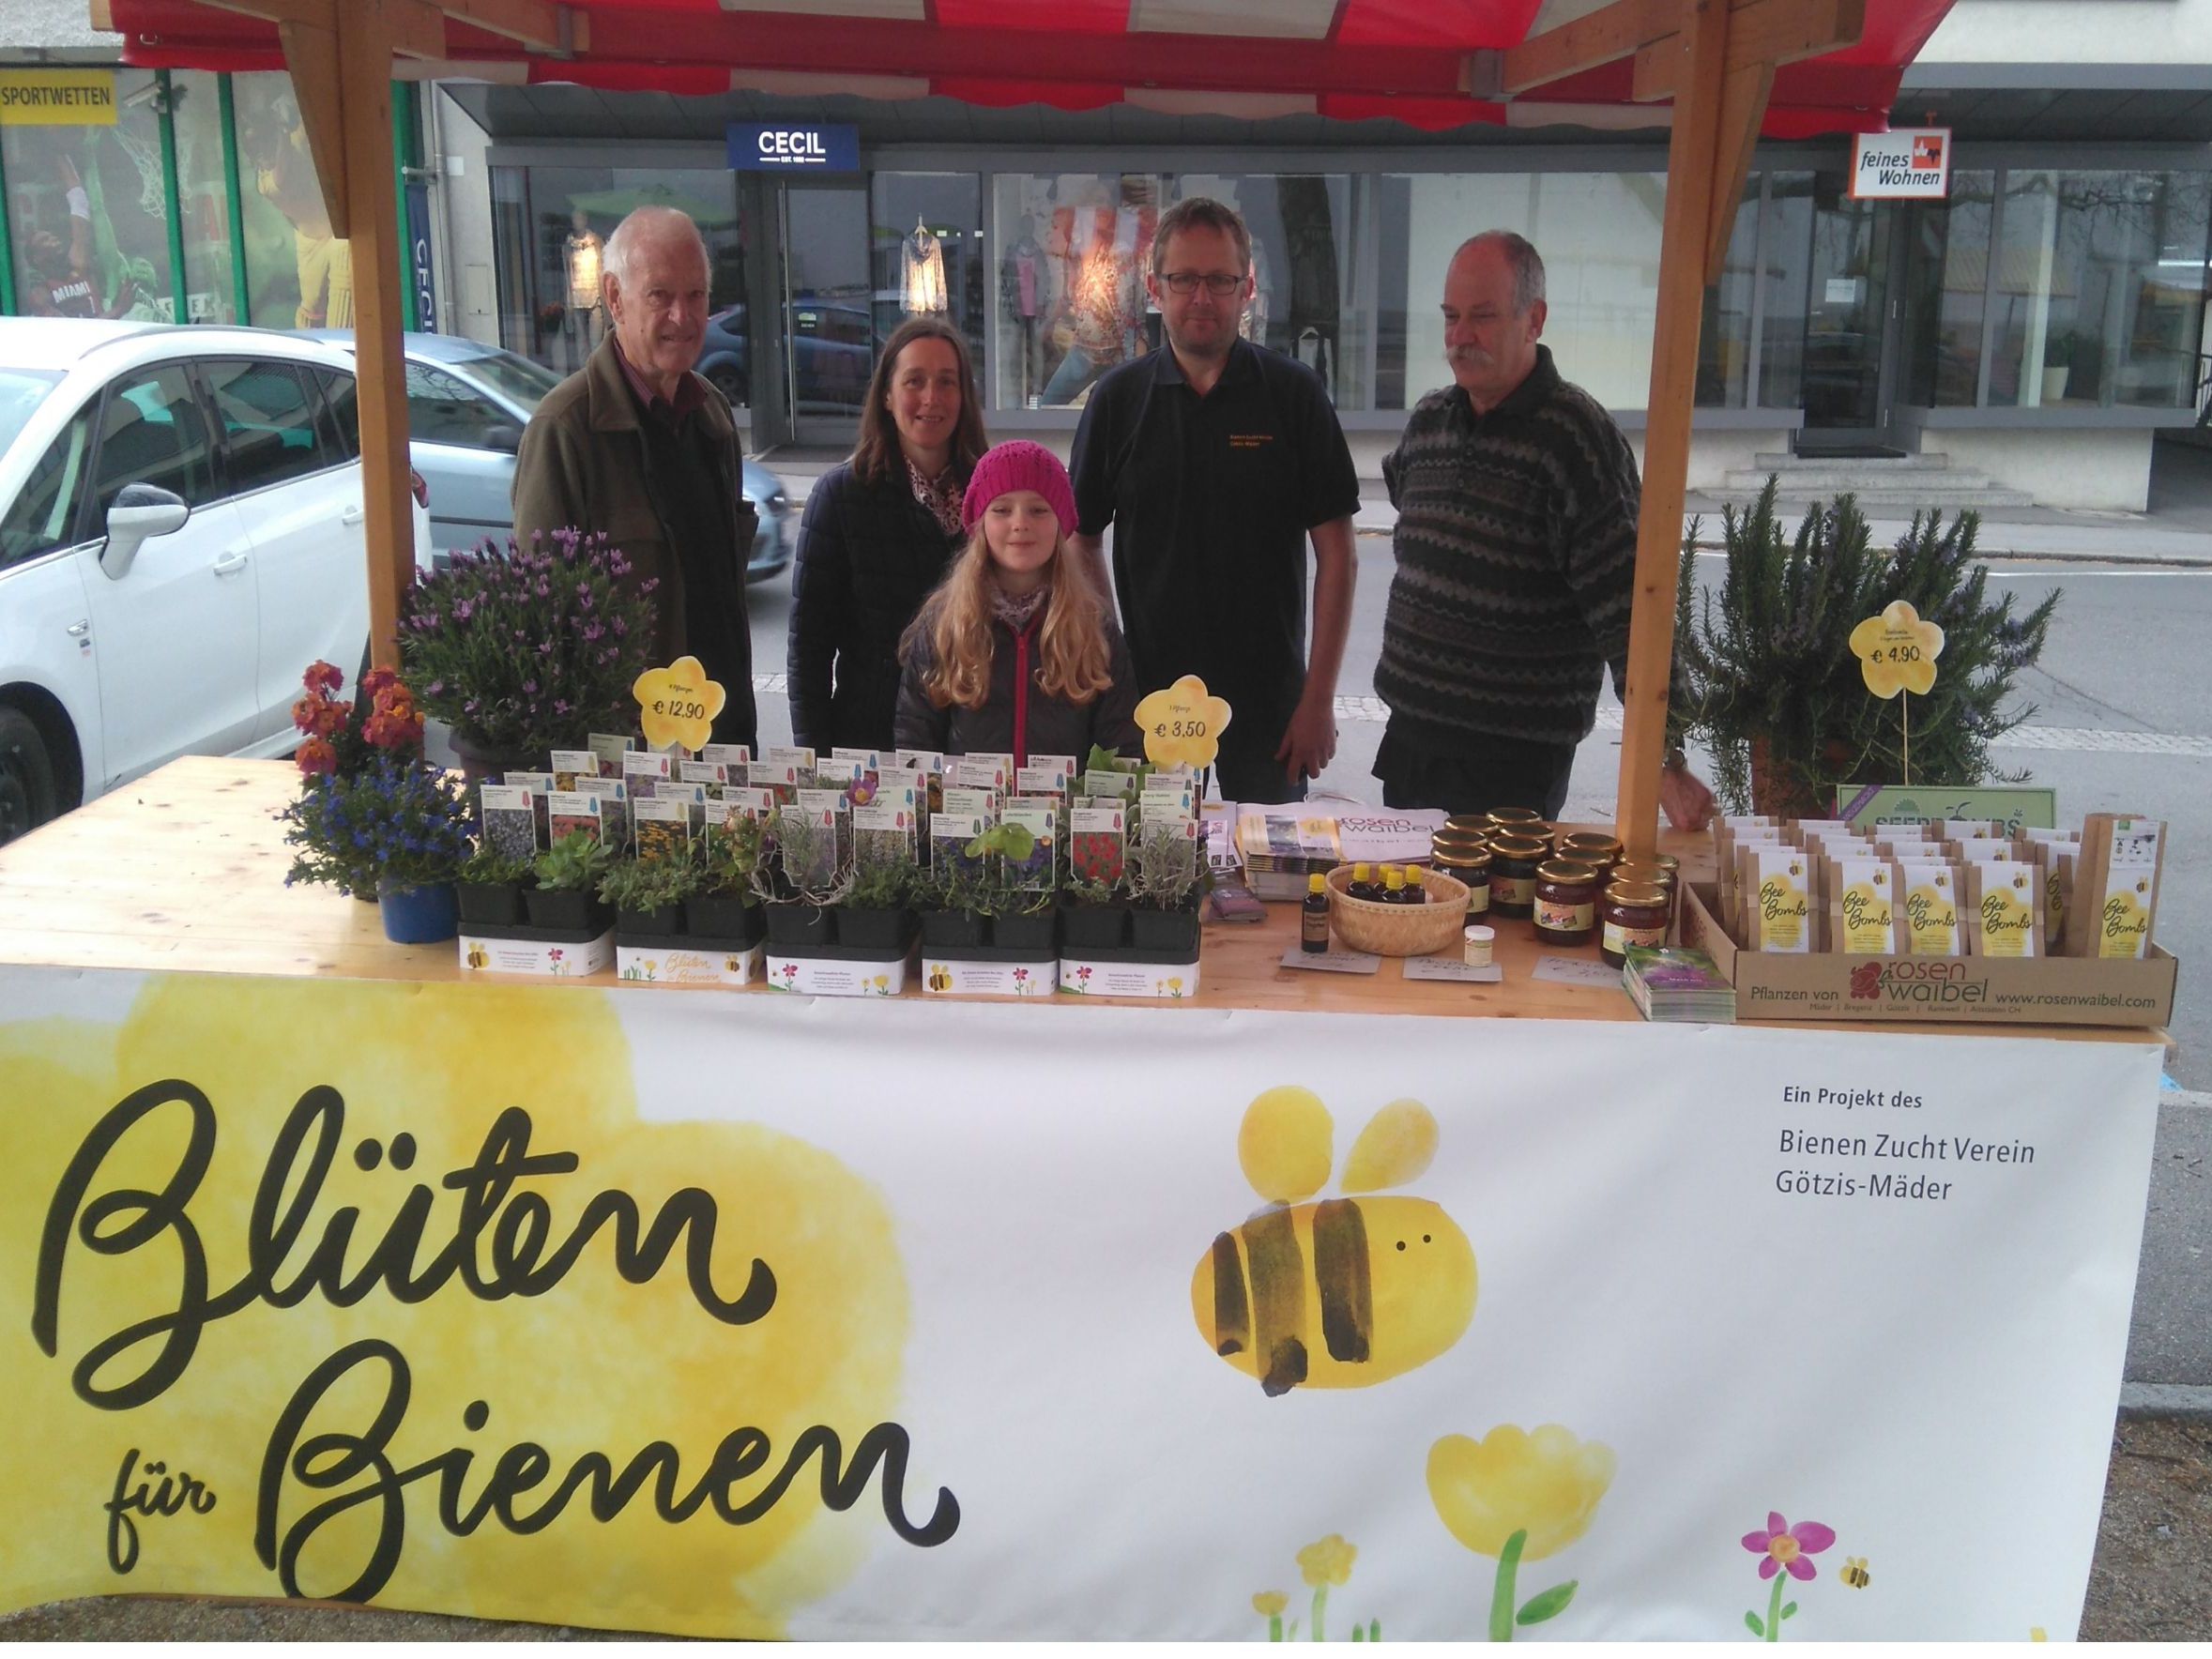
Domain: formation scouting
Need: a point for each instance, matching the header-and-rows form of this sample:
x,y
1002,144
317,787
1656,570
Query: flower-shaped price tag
x,y
677,704
1897,651
1183,725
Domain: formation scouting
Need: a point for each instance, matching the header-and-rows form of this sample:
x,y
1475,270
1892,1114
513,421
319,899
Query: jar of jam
x,y
1656,870
1472,867
1631,913
1512,875
1565,910
1593,847
1477,825
1519,820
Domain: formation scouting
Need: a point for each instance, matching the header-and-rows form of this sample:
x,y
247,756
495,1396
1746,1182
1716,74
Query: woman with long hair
x,y
1017,651
879,531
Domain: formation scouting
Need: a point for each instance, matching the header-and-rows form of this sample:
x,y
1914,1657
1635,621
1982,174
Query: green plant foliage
x,y
649,884
487,866
1767,653
881,887
574,863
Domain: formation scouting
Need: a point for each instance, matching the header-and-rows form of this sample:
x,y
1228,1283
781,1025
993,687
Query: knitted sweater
x,y
1516,549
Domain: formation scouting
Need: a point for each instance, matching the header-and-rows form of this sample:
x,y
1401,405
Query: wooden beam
x,y
416,29
1766,32
1692,150
316,13
102,16
312,55
1743,107
1595,38
535,23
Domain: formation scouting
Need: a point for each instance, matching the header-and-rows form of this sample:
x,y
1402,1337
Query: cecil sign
x,y
1907,164
777,148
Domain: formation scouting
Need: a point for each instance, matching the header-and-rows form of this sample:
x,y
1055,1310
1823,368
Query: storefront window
x,y
926,243
1724,341
1948,252
1785,266
2100,289
1069,301
297,274
88,211
1599,235
552,224
196,112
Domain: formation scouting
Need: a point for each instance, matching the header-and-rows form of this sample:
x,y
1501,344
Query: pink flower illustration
x,y
1786,1546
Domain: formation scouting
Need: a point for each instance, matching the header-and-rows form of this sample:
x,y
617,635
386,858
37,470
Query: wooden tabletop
x,y
184,870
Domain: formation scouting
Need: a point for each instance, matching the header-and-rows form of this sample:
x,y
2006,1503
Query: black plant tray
x,y
702,943
536,935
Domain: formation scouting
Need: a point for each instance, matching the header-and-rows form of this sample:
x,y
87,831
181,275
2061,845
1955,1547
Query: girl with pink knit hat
x,y
1016,650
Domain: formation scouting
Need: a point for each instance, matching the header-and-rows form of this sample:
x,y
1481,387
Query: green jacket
x,y
583,464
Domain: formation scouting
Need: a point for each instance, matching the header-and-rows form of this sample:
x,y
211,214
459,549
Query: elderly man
x,y
1214,461
1515,544
636,445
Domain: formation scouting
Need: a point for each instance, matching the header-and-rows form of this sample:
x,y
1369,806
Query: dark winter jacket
x,y
868,555
1018,717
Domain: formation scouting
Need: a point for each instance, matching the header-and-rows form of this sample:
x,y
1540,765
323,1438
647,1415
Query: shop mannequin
x,y
1023,280
924,259
584,314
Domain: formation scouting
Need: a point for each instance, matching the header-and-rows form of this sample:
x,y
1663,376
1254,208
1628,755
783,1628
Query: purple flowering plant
x,y
399,820
526,651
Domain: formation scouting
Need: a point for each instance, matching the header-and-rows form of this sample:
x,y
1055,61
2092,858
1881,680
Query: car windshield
x,y
516,378
21,390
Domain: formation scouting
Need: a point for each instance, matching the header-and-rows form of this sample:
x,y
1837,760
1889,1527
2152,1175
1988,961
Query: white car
x,y
180,535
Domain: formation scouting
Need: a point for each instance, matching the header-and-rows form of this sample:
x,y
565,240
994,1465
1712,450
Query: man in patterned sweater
x,y
1515,545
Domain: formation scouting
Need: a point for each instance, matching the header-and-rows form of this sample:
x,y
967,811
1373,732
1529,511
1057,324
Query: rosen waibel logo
x,y
498,1239
1937,981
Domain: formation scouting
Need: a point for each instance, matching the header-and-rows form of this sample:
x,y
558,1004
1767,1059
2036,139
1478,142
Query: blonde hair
x,y
1071,656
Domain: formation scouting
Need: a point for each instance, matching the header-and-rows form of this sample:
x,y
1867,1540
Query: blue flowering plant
x,y
526,650
400,821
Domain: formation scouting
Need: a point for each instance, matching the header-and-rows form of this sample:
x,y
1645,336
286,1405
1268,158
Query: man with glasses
x,y
1215,461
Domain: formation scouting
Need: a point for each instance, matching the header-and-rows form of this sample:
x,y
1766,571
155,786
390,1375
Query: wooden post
x,y
341,76
1706,141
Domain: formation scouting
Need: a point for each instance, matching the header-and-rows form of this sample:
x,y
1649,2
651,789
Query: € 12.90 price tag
x,y
677,705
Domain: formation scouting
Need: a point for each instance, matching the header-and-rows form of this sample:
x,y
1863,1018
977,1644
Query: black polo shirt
x,y
1211,499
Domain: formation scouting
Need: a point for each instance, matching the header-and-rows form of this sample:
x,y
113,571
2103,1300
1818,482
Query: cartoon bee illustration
x,y
1336,1292
940,978
479,956
1855,1572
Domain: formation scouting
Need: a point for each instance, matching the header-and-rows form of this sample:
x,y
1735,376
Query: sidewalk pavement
x,y
2176,531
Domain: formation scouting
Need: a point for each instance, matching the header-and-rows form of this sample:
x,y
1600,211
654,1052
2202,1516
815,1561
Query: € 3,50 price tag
x,y
677,705
1897,651
1183,725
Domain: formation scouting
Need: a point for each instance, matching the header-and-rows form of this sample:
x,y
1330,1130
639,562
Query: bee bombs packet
x,y
1933,923
1777,887
2005,908
1862,911
1729,836
2116,887
2056,861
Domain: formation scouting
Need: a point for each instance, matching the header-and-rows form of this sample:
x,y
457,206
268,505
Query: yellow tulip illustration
x,y
1323,1562
1517,1496
677,704
1269,1605
1897,651
1183,725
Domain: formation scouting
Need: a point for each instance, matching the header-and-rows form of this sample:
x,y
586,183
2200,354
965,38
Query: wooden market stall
x,y
1718,72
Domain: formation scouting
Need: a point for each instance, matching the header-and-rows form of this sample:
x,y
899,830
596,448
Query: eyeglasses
x,y
1187,282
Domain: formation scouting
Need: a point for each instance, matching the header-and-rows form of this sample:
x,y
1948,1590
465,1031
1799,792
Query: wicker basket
x,y
1399,929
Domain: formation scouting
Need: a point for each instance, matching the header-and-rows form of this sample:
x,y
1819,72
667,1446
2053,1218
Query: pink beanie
x,y
1020,465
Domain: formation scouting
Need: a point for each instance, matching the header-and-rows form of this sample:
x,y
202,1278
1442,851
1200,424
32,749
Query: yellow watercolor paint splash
x,y
596,1363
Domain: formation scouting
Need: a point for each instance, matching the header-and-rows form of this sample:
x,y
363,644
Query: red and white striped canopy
x,y
1404,60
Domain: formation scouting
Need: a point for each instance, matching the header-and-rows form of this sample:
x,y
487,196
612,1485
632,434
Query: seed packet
x,y
1097,845
733,755
1778,885
663,828
2057,859
610,747
2116,886
1933,926
568,764
1039,872
1862,906
1729,840
1979,852
1971,830
510,819
2005,908
573,814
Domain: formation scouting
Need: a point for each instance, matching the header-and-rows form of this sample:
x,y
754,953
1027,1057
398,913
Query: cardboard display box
x,y
2048,991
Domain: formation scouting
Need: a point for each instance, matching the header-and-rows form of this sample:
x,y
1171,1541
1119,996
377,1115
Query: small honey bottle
x,y
1393,886
1313,916
1363,883
1415,892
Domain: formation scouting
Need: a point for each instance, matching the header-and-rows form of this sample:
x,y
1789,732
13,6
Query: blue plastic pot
x,y
419,915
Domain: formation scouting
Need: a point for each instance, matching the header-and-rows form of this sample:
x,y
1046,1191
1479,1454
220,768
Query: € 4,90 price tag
x,y
1183,725
1897,651
677,705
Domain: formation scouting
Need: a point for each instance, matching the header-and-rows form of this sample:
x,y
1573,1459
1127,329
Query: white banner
x,y
745,1315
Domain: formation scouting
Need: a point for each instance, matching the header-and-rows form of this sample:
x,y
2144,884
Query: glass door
x,y
828,336
1850,325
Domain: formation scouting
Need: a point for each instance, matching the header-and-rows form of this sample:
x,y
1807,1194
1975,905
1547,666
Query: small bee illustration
x,y
479,956
1387,1283
1854,1574
940,978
